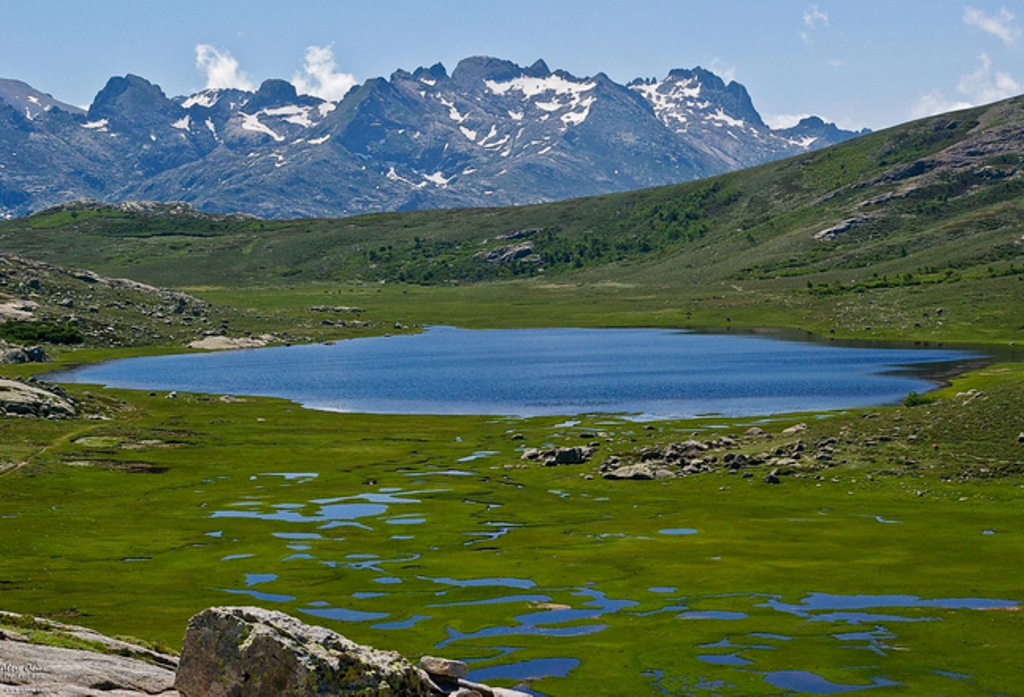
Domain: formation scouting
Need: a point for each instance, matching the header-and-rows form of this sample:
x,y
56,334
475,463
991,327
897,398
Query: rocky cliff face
x,y
490,133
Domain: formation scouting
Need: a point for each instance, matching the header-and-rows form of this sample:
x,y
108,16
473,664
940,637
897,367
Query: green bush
x,y
40,333
915,400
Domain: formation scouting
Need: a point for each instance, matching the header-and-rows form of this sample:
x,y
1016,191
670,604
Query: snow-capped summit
x,y
491,132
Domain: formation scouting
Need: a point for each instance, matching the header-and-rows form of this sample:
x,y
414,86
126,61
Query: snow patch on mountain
x,y
251,122
206,99
533,86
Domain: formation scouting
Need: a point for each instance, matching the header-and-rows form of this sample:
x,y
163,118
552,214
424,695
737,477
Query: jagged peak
x,y
480,68
276,93
128,93
538,69
435,72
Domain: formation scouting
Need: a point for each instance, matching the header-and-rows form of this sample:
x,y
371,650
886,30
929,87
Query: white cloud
x,y
814,17
320,76
1002,26
221,69
719,68
935,103
983,86
777,121
980,87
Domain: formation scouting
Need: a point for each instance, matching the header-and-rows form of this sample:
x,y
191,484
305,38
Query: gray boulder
x,y
21,399
643,471
124,670
252,652
12,354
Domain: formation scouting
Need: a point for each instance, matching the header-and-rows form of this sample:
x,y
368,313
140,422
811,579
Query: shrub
x,y
40,333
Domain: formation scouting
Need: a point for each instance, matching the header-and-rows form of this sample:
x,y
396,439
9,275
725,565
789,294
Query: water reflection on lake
x,y
652,373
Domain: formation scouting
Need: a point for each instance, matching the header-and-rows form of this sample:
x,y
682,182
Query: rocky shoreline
x,y
227,652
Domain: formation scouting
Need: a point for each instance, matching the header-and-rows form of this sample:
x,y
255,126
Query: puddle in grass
x,y
811,683
526,670
678,531
343,614
406,624
553,621
289,476
256,579
266,597
953,676
724,659
478,455
712,615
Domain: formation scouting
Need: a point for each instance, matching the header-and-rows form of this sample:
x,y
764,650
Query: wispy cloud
x,y
221,68
777,121
982,86
813,18
722,69
935,102
1003,26
985,85
321,77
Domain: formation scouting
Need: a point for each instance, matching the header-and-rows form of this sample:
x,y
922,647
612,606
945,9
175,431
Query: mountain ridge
x,y
489,133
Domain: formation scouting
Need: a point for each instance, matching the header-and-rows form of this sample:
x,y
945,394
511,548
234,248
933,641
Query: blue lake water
x,y
649,373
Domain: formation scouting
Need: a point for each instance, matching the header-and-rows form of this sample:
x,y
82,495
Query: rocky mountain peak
x,y
538,69
133,101
477,69
434,72
491,133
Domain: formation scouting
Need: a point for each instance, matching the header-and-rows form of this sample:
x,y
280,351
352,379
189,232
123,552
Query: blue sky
x,y
860,63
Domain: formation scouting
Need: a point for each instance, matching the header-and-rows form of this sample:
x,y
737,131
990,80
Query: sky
x,y
861,63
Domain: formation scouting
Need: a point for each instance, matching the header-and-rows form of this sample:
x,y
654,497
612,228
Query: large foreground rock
x,y
251,652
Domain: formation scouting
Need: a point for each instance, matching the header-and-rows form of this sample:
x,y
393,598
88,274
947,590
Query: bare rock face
x,y
34,400
252,652
125,670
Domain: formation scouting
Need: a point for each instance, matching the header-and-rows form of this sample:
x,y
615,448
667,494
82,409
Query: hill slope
x,y
934,198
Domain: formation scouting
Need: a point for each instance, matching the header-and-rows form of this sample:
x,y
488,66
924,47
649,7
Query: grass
x,y
157,508
122,546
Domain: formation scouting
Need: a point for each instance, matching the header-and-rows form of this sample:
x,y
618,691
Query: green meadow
x,y
431,535
895,566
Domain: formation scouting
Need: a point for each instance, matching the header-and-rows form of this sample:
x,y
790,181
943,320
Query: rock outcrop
x,y
117,669
13,354
228,652
34,400
252,652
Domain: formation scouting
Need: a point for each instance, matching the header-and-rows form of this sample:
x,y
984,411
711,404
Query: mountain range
x,y
491,133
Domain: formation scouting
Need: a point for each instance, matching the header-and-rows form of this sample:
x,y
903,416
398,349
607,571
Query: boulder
x,y
125,670
252,652
20,399
444,667
641,471
22,354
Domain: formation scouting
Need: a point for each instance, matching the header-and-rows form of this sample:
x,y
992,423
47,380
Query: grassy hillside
x,y
937,199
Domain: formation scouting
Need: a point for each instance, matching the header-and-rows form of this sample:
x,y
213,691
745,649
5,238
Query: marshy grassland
x,y
895,563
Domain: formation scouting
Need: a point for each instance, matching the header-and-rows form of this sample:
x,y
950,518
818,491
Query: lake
x,y
644,373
